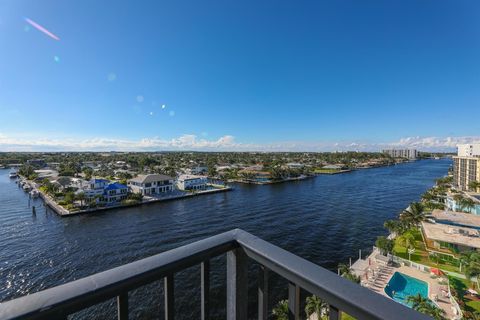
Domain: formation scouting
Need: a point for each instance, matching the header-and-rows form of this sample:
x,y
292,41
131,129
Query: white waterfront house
x,y
196,170
151,184
95,187
191,182
104,191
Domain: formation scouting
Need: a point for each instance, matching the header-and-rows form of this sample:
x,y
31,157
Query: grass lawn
x,y
347,316
421,255
461,285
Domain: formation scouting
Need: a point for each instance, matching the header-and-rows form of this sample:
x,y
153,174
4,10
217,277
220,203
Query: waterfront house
x,y
295,165
191,182
255,174
196,170
115,192
151,184
334,167
95,188
453,238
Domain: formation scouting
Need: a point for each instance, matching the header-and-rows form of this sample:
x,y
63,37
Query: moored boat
x,y
13,175
34,193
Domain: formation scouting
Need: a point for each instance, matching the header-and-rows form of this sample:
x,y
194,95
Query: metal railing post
x,y
334,313
263,293
237,284
122,306
293,301
205,288
169,297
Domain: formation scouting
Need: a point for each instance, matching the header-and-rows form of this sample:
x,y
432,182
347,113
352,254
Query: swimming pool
x,y
401,286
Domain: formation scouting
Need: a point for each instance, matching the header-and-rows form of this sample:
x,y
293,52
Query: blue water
x,y
401,286
326,220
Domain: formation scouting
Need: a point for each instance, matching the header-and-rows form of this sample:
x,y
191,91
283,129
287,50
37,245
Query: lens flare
x,y
41,29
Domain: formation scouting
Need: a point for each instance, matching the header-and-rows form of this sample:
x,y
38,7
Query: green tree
x,y
69,197
413,215
384,244
314,304
88,172
407,240
395,226
347,273
423,305
474,185
80,197
280,311
417,301
466,204
470,261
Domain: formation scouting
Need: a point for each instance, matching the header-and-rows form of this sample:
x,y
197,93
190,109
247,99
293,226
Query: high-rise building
x,y
402,153
469,150
466,166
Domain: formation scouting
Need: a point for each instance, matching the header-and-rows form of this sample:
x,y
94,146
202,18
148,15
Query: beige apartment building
x,y
466,166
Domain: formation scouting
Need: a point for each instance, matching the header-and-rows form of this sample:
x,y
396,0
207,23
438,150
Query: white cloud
x,y
434,143
224,143
184,142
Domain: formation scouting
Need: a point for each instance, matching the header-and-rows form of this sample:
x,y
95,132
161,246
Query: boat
x,y
26,187
13,175
34,193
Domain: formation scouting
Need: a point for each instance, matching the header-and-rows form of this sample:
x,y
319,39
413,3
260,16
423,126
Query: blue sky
x,y
238,74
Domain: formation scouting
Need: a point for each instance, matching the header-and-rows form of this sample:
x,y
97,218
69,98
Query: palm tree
x,y
347,273
470,261
384,244
433,311
474,185
413,215
423,305
407,240
81,197
316,305
466,204
395,226
417,301
429,196
280,311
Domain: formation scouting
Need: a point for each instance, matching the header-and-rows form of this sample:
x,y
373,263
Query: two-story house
x,y
151,184
115,192
191,182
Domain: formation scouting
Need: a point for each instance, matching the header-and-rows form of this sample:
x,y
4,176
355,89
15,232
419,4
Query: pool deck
x,y
375,275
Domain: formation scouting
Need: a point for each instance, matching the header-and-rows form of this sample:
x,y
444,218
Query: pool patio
x,y
375,272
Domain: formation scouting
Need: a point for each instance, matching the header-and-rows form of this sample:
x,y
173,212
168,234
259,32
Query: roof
x,y
99,180
115,186
149,178
190,177
465,219
468,237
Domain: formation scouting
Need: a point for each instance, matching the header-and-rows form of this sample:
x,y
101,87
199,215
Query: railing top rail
x,y
337,291
79,294
76,295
